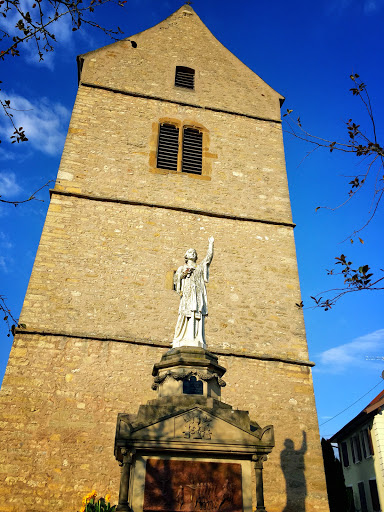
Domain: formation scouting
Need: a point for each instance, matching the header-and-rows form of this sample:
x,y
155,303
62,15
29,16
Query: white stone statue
x,y
190,281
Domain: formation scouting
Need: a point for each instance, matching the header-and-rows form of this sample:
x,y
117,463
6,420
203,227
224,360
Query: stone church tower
x,y
171,140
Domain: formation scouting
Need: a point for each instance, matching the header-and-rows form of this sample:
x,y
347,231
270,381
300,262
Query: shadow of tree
x,y
293,467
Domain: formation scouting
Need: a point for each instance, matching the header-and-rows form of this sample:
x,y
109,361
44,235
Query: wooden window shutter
x,y
363,498
363,444
344,453
168,147
192,158
356,440
352,450
185,77
374,495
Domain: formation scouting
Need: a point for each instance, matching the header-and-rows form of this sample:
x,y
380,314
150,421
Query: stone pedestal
x,y
188,371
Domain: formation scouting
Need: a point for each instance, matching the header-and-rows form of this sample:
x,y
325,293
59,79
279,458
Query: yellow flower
x,y
107,498
87,498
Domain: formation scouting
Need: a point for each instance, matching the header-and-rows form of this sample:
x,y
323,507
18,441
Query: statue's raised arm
x,y
190,281
209,255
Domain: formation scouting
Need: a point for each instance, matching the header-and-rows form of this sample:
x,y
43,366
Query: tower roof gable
x,y
222,81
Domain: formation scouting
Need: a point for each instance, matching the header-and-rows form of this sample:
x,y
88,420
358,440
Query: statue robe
x,y
193,306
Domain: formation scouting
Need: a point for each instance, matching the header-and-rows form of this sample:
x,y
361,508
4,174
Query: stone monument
x,y
190,281
187,450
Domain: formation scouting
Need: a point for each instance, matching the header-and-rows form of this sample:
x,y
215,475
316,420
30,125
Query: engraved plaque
x,y
193,386
183,485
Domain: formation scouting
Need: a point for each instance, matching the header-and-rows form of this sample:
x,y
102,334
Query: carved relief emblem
x,y
197,425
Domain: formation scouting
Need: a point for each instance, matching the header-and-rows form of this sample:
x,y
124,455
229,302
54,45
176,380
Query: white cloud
x,y
6,247
4,241
8,186
61,28
357,354
368,6
43,121
3,265
372,6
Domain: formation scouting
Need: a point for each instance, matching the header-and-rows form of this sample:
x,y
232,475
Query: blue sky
x,y
306,51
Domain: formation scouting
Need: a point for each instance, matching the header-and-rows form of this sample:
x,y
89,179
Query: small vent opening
x,y
168,147
185,77
192,160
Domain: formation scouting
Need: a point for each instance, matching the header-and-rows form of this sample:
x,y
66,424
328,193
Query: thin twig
x,y
31,198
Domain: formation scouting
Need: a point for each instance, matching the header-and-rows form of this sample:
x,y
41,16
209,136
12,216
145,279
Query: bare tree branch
x,y
359,143
36,25
32,197
371,155
8,317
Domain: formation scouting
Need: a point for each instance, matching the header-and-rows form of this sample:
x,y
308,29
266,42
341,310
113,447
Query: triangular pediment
x,y
147,68
196,425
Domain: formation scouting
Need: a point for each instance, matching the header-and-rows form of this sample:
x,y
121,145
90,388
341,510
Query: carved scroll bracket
x,y
183,374
258,460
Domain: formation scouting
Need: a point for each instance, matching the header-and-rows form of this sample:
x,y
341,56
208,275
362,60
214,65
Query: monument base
x,y
187,450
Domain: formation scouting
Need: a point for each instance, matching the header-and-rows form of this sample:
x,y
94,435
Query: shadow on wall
x,y
293,466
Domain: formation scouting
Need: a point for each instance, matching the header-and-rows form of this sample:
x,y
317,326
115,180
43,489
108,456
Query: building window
x,y
189,158
344,454
370,444
362,496
366,443
374,495
185,77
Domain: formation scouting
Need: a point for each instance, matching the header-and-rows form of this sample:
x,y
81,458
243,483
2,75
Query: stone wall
x,y
102,270
222,81
100,308
246,156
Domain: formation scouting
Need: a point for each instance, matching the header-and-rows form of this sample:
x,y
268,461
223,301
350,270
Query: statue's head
x,y
191,254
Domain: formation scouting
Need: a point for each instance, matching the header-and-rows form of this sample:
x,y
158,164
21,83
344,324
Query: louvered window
x,y
168,147
192,159
180,148
185,77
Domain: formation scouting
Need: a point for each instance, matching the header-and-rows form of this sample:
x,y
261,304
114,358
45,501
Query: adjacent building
x,y
361,447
